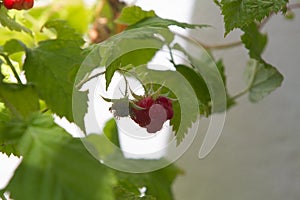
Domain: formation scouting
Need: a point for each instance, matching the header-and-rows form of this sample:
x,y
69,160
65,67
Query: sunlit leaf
x,y
52,67
57,166
10,23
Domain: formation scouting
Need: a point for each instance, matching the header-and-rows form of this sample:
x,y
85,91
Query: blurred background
x,y
258,154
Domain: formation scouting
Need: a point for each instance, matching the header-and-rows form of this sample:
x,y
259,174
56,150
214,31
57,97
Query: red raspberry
x,y
167,104
141,116
158,116
27,4
18,4
152,114
8,3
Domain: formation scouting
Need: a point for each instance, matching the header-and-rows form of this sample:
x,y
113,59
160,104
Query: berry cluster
x,y
18,4
152,113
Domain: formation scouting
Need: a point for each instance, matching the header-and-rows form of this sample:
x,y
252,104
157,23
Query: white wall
x,y
257,156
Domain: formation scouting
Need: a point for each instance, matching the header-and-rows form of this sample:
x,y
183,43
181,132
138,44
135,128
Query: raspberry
x,y
27,4
8,3
167,104
158,116
152,114
141,115
18,4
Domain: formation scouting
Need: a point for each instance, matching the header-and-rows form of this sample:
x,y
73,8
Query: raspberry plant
x,y
40,52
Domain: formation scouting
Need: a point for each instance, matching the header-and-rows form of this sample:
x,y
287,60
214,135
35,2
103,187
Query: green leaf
x,y
57,166
254,41
80,111
64,31
199,86
135,17
164,23
133,14
52,66
157,184
262,79
10,23
111,132
133,58
22,100
8,138
241,13
123,194
75,12
13,46
212,70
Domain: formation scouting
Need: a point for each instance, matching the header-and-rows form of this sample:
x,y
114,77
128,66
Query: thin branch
x,y
8,62
246,90
224,46
87,79
212,47
171,56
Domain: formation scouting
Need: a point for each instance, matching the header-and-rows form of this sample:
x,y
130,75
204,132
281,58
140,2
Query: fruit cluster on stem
x,y
152,113
18,4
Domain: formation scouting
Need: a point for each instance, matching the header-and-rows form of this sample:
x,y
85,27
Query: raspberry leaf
x,y
165,23
254,41
8,138
54,80
111,132
199,86
262,79
241,13
48,157
10,23
135,17
133,58
158,183
22,100
133,14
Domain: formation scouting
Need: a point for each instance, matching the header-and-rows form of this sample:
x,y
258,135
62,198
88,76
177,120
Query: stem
x,y
45,110
224,46
171,56
246,90
8,62
212,47
86,79
136,77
